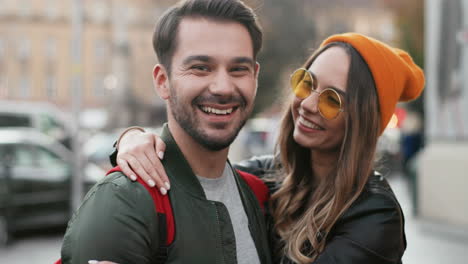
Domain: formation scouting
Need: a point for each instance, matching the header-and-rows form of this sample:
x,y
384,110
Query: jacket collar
x,y
177,167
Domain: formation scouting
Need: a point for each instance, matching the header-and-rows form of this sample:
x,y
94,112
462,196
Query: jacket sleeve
x,y
264,167
259,166
116,222
113,156
370,232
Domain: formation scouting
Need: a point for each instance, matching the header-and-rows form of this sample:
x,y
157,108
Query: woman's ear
x,y
161,81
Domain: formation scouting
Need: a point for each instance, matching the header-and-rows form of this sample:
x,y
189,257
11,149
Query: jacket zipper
x,y
219,232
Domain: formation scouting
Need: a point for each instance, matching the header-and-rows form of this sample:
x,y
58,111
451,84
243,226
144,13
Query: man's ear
x,y
257,69
161,81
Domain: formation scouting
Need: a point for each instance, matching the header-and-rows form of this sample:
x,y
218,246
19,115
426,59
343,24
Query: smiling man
x,y
208,77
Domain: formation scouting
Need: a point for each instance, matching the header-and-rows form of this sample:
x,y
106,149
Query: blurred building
x,y
36,36
369,17
35,54
443,165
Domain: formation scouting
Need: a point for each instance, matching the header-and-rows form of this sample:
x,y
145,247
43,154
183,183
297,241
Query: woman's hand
x,y
139,153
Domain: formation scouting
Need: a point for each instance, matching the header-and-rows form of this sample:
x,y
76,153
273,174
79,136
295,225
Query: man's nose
x,y
222,84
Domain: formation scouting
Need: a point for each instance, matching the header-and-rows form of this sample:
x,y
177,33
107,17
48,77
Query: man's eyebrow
x,y
205,58
244,60
193,58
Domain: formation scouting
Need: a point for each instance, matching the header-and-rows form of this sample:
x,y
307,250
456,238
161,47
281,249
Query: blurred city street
x,y
40,248
427,244
75,74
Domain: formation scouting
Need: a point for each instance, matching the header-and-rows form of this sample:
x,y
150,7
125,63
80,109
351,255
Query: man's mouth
x,y
217,111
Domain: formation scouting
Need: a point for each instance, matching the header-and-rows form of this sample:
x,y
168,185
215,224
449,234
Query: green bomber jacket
x,y
117,220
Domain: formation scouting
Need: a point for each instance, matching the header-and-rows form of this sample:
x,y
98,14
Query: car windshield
x,y
14,120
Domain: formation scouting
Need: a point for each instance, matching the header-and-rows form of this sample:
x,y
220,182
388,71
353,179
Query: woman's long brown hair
x,y
305,210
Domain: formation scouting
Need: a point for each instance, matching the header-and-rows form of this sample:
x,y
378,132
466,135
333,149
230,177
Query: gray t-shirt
x,y
224,189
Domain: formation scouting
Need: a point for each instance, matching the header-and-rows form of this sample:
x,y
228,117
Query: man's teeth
x,y
211,110
309,124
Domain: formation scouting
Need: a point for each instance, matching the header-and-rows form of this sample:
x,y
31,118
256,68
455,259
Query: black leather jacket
x,y
370,231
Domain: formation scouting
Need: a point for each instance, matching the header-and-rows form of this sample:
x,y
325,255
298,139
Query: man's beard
x,y
182,114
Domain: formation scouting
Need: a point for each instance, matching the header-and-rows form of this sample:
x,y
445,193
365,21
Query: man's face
x,y
213,81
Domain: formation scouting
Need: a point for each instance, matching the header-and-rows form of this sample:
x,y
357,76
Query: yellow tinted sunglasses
x,y
329,101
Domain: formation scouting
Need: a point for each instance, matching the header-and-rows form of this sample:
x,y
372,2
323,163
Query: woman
x,y
329,205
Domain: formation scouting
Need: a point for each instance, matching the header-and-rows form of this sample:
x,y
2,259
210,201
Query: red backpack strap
x,y
258,187
165,218
162,205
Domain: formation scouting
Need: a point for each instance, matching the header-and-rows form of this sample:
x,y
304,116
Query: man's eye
x,y
200,68
240,69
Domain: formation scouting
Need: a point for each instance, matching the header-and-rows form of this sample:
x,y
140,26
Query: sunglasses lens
x,y
301,83
329,103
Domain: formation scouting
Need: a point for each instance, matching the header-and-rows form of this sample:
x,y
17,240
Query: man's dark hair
x,y
164,37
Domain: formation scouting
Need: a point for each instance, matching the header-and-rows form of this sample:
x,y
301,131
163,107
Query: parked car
x,y
43,117
99,146
256,138
35,181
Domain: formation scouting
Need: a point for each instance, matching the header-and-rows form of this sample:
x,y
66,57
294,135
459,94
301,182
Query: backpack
x,y
165,215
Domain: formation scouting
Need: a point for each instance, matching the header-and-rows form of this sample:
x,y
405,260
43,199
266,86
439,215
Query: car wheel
x,y
4,233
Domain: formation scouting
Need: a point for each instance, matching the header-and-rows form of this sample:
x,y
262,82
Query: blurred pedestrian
x,y
411,138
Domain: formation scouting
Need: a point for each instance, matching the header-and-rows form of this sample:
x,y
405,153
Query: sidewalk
x,y
428,243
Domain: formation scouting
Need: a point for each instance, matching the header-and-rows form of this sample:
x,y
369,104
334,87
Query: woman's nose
x,y
310,103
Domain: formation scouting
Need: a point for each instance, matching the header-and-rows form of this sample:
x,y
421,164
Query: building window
x,y
99,11
51,86
99,90
52,9
2,50
101,49
24,49
24,90
24,7
8,7
3,86
3,78
51,48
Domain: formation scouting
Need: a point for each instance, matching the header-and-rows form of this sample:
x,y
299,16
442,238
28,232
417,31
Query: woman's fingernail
x,y
161,155
133,177
163,191
93,262
168,186
151,183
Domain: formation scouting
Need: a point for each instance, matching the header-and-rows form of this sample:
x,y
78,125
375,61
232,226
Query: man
x,y
208,77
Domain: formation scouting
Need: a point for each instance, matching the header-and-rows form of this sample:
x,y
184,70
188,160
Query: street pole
x,y
76,85
120,62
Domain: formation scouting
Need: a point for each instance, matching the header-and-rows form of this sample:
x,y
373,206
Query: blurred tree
x,y
288,37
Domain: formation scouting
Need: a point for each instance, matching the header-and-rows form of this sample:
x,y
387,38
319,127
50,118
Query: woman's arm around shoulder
x,y
259,166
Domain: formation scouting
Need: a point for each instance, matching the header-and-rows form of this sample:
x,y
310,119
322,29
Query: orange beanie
x,y
396,76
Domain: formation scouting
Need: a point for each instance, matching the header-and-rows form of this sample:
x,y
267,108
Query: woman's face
x,y
311,130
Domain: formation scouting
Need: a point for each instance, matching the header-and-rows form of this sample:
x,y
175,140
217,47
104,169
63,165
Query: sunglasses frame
x,y
314,90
